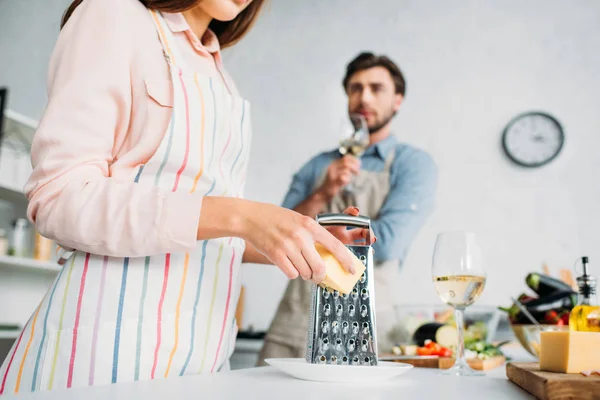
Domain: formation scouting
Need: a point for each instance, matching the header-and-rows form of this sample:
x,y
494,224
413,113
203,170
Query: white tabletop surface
x,y
268,383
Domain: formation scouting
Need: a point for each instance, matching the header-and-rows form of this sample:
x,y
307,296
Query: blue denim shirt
x,y
413,181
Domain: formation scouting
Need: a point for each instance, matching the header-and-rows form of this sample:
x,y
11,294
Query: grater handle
x,y
345,220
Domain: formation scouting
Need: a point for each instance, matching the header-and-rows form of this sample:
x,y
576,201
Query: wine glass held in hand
x,y
357,142
459,278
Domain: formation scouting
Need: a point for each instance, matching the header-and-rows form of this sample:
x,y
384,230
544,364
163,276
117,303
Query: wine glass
x,y
355,141
459,278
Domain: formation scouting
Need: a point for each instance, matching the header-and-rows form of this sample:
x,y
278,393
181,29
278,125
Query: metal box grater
x,y
342,328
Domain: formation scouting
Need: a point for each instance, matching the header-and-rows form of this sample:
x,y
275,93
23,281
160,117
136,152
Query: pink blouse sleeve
x,y
72,197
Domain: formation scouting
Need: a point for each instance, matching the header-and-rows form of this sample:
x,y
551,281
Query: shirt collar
x,y
383,148
177,23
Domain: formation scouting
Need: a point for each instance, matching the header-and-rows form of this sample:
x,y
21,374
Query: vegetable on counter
x,y
554,318
444,334
432,348
475,331
525,298
559,302
481,350
545,285
437,339
405,349
555,302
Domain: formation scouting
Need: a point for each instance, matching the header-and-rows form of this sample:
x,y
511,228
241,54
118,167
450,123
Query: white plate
x,y
299,368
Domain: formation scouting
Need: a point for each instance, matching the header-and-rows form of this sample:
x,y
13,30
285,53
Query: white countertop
x,y
268,383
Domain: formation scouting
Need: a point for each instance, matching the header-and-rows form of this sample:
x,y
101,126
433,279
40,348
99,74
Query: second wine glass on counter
x,y
459,278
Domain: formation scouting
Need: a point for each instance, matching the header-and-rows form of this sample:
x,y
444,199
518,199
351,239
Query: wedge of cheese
x,y
569,352
336,277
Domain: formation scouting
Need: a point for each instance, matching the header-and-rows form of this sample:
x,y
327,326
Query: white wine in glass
x,y
355,141
459,291
459,278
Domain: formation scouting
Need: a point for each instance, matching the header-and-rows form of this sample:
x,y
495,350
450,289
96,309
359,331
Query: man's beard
x,y
380,124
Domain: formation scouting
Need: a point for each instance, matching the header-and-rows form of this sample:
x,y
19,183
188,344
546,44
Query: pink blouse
x,y
110,101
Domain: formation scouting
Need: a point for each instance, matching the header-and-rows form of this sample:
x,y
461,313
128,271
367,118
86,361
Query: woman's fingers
x,y
339,251
316,263
285,265
300,264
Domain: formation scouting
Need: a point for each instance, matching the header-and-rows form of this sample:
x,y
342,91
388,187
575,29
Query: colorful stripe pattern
x,y
97,320
110,319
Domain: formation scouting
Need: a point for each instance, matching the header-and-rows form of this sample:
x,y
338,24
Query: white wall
x,y
28,31
471,65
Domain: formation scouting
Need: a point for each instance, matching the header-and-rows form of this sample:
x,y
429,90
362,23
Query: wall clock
x,y
533,139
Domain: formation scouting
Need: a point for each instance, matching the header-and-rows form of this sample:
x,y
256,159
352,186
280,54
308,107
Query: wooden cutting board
x,y
419,362
445,362
551,385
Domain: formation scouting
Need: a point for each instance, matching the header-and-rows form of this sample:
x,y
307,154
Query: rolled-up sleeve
x,y
302,185
72,197
410,201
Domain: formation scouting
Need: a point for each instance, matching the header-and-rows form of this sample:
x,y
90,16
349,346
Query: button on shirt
x,y
413,181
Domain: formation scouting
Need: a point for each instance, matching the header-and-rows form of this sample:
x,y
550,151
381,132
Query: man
x,y
393,184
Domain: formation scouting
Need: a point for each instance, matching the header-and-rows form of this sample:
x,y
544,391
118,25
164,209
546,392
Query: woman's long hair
x,y
228,32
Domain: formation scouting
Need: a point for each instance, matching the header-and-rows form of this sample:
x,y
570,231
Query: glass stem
x,y
460,346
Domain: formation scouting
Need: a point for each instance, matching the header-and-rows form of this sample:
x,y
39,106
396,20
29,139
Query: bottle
x,y
585,316
3,243
19,244
42,250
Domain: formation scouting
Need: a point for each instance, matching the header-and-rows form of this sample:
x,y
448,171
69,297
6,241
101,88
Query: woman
x,y
139,167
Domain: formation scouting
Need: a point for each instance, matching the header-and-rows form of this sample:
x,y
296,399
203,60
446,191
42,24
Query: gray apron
x,y
287,335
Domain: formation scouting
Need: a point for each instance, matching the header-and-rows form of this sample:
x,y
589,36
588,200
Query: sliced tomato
x,y
433,346
444,352
424,351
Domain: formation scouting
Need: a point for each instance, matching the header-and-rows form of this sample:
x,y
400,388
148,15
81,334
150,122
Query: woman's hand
x,y
286,238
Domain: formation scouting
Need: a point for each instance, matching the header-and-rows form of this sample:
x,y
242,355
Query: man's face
x,y
372,94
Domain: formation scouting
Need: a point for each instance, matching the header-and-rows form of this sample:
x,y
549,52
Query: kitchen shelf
x,y
9,334
21,119
22,129
29,264
16,122
12,194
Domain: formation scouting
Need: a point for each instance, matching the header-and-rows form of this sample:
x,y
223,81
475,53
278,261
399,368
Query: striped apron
x,y
108,320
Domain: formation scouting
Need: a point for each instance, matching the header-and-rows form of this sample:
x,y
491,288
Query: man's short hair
x,y
368,60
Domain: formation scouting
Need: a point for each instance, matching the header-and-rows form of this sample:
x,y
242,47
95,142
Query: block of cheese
x,y
336,276
569,352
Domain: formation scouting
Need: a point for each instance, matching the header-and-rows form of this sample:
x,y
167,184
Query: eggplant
x,y
517,317
558,300
443,334
524,298
545,285
520,318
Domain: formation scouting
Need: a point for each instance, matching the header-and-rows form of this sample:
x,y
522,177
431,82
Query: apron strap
x,y
390,160
167,40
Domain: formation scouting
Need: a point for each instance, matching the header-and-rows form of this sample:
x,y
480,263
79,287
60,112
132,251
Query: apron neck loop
x,y
167,40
